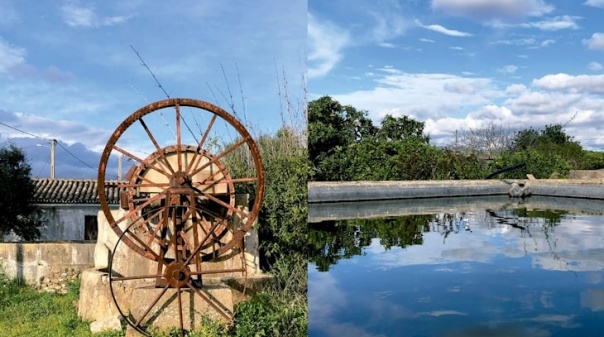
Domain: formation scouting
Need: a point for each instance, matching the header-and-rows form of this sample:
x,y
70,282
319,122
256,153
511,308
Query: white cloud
x,y
326,42
595,42
443,30
556,23
593,84
493,8
78,16
546,43
386,45
509,69
448,102
541,105
10,56
517,42
388,26
515,89
595,3
427,40
551,24
595,66
421,96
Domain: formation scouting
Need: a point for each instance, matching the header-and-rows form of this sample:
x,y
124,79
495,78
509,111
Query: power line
x,y
78,159
48,139
25,132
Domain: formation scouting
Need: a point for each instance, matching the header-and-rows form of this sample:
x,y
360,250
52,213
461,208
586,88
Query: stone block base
x,y
165,313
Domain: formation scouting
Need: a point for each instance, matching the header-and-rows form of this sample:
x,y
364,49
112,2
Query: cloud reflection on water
x,y
495,280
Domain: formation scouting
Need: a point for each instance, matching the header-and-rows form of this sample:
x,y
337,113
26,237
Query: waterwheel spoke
x,y
218,271
212,302
218,157
195,223
139,277
147,248
234,180
178,140
136,158
224,204
159,226
130,185
140,207
138,322
198,249
157,147
182,328
201,143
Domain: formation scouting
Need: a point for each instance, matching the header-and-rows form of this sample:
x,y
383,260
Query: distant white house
x,y
70,207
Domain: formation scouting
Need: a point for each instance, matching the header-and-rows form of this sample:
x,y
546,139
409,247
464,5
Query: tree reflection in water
x,y
331,241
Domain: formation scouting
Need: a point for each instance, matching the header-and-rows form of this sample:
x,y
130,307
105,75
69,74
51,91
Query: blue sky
x,y
460,64
67,70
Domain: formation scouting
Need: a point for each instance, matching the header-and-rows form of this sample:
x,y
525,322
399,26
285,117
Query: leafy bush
x,y
540,164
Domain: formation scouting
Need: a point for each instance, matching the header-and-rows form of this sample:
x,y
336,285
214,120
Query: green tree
x,y
399,128
538,162
544,152
332,126
16,193
344,145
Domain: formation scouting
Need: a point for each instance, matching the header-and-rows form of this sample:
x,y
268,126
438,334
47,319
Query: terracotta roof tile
x,y
73,191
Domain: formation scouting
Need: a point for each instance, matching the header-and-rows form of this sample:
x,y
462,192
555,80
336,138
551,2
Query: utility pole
x,y
52,158
120,157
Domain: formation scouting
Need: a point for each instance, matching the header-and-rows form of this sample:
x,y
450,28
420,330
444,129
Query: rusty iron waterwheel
x,y
186,204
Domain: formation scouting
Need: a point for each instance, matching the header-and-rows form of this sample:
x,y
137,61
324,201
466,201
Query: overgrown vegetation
x,y
27,312
344,145
281,308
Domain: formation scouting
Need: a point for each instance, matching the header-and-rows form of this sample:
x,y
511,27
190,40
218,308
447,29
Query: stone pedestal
x,y
96,303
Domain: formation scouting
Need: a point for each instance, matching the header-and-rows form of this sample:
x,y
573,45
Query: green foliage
x,y
281,308
592,161
269,315
455,166
332,126
393,128
16,192
345,145
539,163
550,145
284,213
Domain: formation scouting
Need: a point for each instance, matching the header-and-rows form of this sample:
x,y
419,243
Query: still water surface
x,y
504,272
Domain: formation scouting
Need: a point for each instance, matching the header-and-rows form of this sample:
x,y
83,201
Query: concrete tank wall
x,y
321,192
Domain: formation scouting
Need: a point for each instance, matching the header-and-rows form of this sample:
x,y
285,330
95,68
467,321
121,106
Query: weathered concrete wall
x,y
46,264
319,192
65,222
387,190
